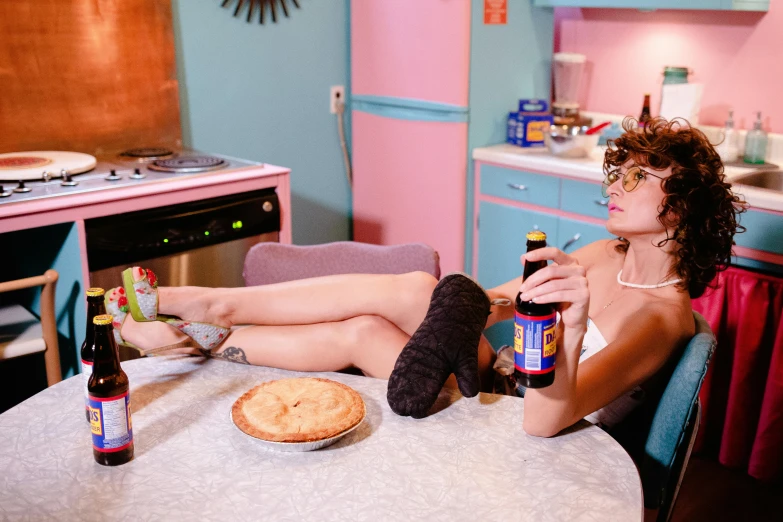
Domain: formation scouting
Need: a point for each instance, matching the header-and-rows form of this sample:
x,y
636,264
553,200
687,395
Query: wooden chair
x,y
22,333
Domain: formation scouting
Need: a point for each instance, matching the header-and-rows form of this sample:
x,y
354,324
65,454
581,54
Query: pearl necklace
x,y
634,285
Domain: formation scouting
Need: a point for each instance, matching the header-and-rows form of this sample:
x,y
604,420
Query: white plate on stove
x,y
29,166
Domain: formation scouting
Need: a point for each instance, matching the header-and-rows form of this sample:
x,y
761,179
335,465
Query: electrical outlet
x,y
336,94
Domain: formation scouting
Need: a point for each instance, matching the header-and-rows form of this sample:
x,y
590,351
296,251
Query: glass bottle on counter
x,y
645,116
756,143
728,149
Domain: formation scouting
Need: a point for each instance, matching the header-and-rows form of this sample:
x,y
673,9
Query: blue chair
x,y
659,435
670,425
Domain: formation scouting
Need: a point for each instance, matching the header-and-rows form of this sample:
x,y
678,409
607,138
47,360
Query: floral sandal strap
x,y
142,295
206,336
118,310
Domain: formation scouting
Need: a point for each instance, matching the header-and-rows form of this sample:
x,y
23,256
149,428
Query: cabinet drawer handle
x,y
516,186
571,241
602,202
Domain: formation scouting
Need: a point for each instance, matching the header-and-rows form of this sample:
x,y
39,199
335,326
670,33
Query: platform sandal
x,y
142,301
142,295
118,308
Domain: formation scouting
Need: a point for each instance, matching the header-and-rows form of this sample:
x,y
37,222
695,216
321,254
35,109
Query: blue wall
x,y
507,62
261,92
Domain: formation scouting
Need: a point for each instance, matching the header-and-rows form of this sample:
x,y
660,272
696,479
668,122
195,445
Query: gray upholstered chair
x,y
267,263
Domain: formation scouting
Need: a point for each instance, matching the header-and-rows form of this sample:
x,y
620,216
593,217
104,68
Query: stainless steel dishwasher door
x,y
214,266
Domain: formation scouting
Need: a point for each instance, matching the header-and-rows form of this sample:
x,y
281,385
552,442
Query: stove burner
x,y
188,164
148,153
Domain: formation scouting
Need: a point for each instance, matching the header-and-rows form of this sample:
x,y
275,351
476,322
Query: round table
x,y
468,461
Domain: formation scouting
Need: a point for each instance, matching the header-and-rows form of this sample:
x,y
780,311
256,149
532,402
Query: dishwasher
x,y
199,243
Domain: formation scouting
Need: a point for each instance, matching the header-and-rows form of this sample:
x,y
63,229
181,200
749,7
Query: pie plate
x,y
302,446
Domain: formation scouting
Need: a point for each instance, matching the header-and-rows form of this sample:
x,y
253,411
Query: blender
x,y
567,72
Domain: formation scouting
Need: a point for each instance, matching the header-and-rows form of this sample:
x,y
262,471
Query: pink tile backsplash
x,y
735,55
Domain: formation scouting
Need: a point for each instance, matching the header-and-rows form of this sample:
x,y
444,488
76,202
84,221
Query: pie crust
x,y
302,409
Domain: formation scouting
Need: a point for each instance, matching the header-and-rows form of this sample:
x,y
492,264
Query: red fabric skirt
x,y
742,394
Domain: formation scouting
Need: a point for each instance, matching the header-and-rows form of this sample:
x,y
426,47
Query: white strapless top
x,y
593,343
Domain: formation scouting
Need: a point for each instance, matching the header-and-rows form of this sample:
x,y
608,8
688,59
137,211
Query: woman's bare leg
x,y
400,299
367,342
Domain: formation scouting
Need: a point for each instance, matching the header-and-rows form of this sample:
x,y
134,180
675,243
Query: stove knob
x,y
113,176
67,181
21,189
4,193
267,206
137,174
47,176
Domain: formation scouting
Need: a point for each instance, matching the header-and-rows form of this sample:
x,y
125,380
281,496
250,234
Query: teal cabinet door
x,y
573,235
764,231
714,5
502,230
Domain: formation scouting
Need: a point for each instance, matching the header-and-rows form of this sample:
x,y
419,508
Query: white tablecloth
x,y
469,461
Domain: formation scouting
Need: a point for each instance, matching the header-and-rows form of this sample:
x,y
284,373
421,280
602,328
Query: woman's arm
x,y
579,390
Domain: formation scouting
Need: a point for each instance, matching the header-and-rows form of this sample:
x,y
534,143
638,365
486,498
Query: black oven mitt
x,y
446,342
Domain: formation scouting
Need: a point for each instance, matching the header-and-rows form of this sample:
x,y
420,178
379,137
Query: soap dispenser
x,y
756,143
727,149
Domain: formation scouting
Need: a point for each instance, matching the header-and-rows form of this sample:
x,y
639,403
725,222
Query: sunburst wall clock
x,y
266,9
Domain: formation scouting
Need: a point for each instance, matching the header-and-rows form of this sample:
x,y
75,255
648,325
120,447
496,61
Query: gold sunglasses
x,y
632,178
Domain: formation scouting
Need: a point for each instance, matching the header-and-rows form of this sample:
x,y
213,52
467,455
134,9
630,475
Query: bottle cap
x,y
536,235
94,292
102,319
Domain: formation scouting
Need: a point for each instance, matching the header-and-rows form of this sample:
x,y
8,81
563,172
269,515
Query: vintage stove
x,y
26,176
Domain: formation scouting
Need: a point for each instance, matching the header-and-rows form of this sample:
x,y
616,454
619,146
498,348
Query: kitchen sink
x,y
765,179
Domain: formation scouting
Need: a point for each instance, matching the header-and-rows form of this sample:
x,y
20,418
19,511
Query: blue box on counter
x,y
526,128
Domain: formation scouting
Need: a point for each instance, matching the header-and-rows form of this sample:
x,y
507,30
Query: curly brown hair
x,y
699,207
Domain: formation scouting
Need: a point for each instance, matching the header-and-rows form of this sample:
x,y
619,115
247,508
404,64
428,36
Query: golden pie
x,y
302,409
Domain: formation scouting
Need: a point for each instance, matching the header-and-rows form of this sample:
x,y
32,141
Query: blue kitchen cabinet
x,y
573,234
521,186
764,231
502,230
714,5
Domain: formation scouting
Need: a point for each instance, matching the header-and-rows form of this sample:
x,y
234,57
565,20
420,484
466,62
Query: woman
x,y
628,298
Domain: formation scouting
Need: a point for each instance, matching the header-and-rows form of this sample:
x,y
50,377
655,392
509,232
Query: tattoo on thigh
x,y
232,354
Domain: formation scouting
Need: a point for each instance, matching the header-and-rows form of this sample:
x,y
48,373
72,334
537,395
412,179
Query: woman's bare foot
x,y
150,335
190,303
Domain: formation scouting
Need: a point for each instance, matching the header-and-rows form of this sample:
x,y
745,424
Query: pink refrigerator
x,y
409,107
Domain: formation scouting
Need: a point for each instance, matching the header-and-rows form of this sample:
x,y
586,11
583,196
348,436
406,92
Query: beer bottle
x,y
534,330
95,306
108,390
645,116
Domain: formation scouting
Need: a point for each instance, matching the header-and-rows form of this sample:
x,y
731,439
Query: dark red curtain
x,y
742,394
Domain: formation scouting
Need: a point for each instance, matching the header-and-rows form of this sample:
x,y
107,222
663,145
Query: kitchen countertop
x,y
115,200
591,169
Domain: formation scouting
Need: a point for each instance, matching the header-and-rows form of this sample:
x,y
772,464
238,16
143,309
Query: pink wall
x,y
736,55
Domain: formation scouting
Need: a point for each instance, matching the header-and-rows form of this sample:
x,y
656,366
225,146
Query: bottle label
x,y
110,421
535,343
86,372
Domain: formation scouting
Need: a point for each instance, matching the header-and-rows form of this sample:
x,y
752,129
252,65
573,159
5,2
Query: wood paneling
x,y
94,76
